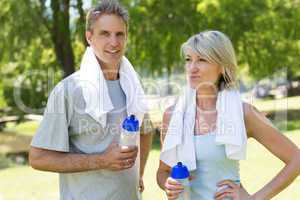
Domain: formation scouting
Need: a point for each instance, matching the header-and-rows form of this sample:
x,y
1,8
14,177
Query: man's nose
x,y
114,40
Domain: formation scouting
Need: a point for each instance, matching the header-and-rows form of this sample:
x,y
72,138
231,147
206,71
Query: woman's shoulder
x,y
252,117
168,113
250,110
165,122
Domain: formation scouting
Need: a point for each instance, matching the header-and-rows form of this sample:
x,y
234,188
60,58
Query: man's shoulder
x,y
68,84
73,78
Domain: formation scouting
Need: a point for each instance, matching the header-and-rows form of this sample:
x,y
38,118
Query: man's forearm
x,y
61,162
145,145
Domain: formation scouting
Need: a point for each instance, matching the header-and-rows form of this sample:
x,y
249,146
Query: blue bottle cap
x,y
180,171
131,124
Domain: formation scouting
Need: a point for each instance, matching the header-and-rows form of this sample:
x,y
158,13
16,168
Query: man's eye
x,y
120,34
104,33
202,60
187,59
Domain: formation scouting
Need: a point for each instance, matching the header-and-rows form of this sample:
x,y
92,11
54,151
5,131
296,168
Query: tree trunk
x,y
60,33
81,22
169,72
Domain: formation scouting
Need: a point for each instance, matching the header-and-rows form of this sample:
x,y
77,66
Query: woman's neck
x,y
206,98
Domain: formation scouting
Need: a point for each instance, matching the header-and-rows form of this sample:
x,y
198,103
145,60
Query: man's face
x,y
108,39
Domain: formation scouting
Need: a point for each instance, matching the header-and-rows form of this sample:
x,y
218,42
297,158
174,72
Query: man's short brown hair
x,y
106,7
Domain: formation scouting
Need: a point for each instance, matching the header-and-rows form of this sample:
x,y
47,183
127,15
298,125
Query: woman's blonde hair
x,y
215,47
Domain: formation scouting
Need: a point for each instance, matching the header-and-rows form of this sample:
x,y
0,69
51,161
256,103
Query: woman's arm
x,y
163,169
169,185
261,129
162,174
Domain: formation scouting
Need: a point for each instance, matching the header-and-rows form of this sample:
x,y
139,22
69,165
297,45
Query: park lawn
x,y
22,182
290,103
26,128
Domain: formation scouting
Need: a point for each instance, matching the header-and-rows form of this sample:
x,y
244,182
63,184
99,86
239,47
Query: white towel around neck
x,y
230,130
95,91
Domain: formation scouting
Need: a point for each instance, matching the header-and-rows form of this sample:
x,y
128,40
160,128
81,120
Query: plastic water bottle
x,y
130,130
130,137
181,174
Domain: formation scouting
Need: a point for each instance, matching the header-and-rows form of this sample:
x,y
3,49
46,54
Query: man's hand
x,y
141,185
119,158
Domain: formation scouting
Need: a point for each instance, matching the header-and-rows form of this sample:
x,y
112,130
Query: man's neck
x,y
110,72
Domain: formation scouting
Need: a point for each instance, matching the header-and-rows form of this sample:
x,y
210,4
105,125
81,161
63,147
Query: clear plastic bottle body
x,y
128,138
181,173
186,194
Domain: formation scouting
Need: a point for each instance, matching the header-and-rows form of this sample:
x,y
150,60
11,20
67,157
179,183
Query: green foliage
x,y
264,34
157,30
28,62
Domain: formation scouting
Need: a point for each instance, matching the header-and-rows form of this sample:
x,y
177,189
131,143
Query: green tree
x,y
264,33
40,36
38,43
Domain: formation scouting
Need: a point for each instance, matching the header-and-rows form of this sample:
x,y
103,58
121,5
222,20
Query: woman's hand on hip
x,y
231,190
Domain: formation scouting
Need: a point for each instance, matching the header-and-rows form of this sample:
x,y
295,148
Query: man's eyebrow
x,y
103,31
120,33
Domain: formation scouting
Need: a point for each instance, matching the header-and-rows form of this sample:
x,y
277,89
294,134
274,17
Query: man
x,y
81,126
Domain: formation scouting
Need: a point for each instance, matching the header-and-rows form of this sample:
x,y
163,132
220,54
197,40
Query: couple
x,y
79,132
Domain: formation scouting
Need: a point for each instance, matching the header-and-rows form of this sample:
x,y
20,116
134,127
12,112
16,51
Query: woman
x,y
212,151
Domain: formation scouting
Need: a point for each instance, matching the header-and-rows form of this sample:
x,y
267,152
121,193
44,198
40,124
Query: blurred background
x,y
42,41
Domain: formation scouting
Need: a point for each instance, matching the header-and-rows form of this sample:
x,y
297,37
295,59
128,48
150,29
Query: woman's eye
x,y
187,59
202,60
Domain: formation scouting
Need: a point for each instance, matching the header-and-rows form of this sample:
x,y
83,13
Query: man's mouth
x,y
113,52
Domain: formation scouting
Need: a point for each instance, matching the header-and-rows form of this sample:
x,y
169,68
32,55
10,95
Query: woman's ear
x,y
222,71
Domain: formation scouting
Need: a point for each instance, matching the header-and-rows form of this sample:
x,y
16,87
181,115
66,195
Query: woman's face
x,y
200,73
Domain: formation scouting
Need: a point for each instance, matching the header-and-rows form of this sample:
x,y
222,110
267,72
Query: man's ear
x,y
88,36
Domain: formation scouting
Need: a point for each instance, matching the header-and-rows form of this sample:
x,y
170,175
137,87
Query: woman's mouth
x,y
194,77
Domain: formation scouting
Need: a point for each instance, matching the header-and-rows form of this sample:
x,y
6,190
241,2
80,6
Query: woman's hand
x,y
233,191
173,188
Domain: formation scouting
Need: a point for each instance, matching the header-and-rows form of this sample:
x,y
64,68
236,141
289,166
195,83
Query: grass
x,y
26,128
289,106
290,103
22,182
277,107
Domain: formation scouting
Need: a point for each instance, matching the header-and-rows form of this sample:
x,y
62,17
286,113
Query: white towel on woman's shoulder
x,y
178,144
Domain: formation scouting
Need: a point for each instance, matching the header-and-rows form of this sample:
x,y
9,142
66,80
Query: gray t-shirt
x,y
66,127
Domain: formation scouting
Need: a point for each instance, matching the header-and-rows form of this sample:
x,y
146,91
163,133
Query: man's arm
x,y
114,158
145,142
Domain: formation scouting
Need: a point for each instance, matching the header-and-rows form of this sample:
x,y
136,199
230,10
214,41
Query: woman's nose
x,y
193,67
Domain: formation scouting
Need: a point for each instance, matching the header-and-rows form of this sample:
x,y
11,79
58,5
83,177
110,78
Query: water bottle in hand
x,y
130,130
181,174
